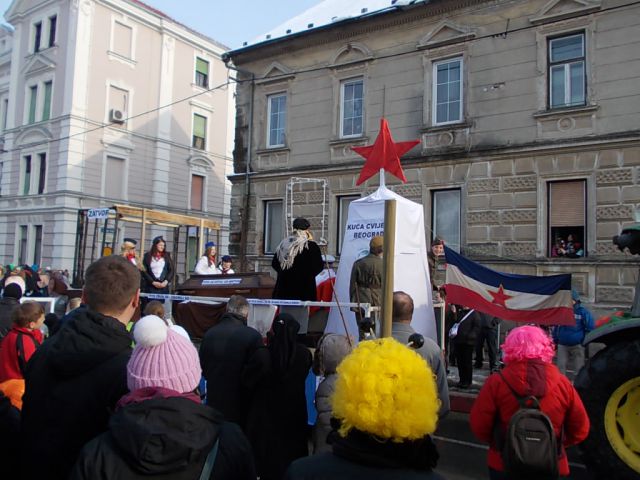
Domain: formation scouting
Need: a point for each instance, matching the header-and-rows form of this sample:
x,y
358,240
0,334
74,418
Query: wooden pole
x,y
388,265
143,232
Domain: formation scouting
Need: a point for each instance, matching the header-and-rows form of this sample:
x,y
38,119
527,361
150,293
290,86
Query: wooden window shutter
x,y
567,204
197,184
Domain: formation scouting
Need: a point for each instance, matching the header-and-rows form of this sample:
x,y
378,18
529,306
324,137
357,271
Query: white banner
x,y
411,275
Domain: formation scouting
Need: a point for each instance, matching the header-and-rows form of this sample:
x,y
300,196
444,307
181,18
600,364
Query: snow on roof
x,y
328,12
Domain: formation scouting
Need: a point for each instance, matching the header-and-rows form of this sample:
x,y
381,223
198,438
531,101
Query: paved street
x,y
463,458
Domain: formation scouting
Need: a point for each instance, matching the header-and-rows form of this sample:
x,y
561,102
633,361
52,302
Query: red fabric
x,y
561,403
384,153
9,366
324,293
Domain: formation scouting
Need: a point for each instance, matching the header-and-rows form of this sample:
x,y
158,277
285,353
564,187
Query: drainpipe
x,y
247,173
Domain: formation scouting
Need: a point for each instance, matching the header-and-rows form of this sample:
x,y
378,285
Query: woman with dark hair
x,y
207,263
280,430
158,267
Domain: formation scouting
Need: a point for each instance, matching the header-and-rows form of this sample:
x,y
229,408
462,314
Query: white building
x,y
105,102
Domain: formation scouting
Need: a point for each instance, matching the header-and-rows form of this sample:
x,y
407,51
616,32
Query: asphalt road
x,y
462,457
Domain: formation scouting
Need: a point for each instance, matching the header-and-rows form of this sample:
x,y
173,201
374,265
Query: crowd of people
x,y
104,397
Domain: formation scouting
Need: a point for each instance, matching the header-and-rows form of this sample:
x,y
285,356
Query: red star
x,y
384,153
500,297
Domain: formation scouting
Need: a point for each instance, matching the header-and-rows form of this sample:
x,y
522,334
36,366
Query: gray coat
x,y
431,352
331,349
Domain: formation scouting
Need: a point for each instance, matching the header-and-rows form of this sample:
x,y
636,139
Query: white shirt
x,y
157,265
203,268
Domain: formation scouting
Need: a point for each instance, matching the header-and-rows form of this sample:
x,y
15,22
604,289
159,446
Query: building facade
x,y
107,102
527,112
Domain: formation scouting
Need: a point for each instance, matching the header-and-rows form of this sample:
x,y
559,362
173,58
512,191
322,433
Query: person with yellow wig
x,y
385,407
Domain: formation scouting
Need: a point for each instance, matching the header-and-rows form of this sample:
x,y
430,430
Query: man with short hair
x,y
365,285
75,379
232,364
401,330
569,338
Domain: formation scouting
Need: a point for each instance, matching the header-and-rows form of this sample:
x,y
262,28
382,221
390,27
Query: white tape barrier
x,y
259,301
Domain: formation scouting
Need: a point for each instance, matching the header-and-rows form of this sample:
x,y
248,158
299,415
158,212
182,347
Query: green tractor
x,y
609,385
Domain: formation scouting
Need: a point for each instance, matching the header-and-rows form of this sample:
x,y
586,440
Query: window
x,y
567,218
26,185
447,91
33,102
37,35
37,244
122,39
22,245
202,73
113,179
567,76
197,190
273,225
199,132
277,120
42,174
351,120
445,217
46,108
343,216
5,113
53,21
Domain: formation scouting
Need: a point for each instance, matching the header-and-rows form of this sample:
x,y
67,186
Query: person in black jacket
x,y
297,261
469,324
8,303
160,428
278,426
158,267
75,378
233,362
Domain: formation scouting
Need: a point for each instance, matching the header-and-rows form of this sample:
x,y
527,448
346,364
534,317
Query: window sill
x,y
262,151
347,141
449,126
121,58
564,111
200,88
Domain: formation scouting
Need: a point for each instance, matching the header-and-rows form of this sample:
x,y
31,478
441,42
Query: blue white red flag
x,y
521,298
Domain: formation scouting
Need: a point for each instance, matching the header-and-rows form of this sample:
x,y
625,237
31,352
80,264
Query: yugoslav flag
x,y
521,298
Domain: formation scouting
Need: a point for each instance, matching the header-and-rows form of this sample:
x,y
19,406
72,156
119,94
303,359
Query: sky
x,y
230,22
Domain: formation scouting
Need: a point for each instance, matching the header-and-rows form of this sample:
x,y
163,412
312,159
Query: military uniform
x,y
366,282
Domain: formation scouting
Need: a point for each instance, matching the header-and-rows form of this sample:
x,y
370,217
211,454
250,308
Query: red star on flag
x,y
384,153
499,297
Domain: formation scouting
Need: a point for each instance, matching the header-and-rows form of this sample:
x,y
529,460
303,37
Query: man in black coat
x,y
74,379
234,360
297,261
8,303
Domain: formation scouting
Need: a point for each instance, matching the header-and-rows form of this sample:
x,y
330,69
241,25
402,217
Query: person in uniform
x,y
128,251
207,263
365,285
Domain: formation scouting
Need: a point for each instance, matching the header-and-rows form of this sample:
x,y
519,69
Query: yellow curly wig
x,y
386,389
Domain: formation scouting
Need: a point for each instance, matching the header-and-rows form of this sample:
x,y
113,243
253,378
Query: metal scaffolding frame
x,y
289,203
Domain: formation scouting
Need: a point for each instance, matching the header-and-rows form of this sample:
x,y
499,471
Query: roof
x,y
160,13
330,12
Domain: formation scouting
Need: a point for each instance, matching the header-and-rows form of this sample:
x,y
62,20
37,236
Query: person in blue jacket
x,y
569,338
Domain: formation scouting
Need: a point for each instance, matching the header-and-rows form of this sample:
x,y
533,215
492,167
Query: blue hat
x,y
209,245
226,258
575,296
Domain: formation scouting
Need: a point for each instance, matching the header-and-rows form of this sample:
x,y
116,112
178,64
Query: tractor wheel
x,y
609,386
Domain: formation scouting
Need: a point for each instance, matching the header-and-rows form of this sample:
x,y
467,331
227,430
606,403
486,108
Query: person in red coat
x,y
21,341
528,352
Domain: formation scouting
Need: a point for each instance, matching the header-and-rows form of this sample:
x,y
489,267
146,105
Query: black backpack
x,y
530,447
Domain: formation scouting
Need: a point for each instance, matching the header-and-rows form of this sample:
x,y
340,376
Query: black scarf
x,y
360,447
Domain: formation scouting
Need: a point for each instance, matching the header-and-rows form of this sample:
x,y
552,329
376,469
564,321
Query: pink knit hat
x,y
162,357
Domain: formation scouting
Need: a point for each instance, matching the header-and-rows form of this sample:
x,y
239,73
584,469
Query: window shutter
x,y
202,66
199,126
566,204
197,184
